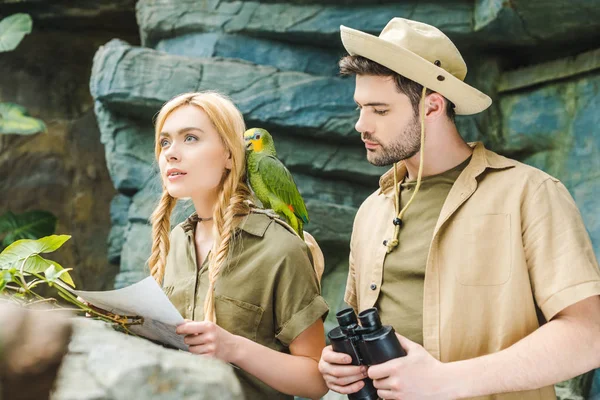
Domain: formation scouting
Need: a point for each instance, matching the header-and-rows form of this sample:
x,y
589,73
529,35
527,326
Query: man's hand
x,y
208,339
339,376
418,375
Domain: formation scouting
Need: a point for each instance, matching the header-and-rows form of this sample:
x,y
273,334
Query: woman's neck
x,y
204,209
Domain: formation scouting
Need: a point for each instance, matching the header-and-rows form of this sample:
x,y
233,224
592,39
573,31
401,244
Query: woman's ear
x,y
229,161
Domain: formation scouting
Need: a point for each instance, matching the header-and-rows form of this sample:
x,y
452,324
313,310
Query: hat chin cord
x,y
392,244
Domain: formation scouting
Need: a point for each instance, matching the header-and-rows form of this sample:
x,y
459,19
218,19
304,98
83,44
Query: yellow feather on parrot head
x,y
257,139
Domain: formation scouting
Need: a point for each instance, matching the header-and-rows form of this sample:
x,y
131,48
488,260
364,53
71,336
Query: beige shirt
x,y
400,300
268,291
509,239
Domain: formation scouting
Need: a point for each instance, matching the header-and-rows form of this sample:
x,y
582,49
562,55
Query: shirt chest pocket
x,y
181,294
480,250
238,317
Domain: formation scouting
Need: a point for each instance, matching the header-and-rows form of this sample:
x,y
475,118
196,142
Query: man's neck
x,y
444,150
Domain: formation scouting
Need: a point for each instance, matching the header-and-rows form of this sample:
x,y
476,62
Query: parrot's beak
x,y
248,145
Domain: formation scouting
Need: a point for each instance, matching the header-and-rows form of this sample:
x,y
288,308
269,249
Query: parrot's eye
x,y
257,136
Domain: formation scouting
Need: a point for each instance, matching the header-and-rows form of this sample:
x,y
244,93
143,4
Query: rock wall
x,y
539,60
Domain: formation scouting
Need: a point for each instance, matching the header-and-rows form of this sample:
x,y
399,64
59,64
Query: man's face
x,y
387,123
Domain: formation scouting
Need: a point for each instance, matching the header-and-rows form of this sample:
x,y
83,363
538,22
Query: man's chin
x,y
376,160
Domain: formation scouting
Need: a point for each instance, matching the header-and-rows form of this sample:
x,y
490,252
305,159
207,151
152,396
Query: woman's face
x,y
193,158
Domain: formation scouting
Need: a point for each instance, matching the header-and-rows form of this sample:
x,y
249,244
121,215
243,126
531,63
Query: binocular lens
x,y
369,318
346,317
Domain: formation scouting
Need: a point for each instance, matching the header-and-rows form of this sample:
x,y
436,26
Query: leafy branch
x,y
23,269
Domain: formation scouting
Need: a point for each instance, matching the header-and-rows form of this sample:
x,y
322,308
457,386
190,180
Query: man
x,y
482,263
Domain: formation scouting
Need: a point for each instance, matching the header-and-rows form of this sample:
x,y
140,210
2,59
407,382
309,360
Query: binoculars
x,y
369,343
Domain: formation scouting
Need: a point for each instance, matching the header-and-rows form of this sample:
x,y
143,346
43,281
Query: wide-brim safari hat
x,y
422,53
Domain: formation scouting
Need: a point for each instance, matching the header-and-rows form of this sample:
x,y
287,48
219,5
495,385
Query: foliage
x,y
14,118
23,269
13,29
28,225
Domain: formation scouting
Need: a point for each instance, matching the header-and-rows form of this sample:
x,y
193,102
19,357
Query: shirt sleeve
x,y
562,265
298,300
350,294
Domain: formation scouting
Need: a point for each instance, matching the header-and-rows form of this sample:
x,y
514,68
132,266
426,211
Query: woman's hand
x,y
208,339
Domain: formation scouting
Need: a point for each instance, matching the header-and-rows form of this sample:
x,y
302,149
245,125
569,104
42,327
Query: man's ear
x,y
435,106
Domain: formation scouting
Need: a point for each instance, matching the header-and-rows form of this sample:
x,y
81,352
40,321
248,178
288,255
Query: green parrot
x,y
271,181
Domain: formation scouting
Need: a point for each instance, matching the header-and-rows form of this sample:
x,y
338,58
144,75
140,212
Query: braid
x,y
232,203
234,193
161,227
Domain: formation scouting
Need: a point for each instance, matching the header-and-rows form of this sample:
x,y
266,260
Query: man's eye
x,y
381,112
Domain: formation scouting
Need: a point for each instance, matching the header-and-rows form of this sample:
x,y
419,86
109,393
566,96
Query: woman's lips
x,y
175,177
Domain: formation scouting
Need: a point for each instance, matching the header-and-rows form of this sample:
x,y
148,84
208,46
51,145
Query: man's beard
x,y
405,146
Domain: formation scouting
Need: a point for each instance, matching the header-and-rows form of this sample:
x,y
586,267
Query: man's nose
x,y
362,125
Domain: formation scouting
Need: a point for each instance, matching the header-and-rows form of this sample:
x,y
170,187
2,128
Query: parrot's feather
x,y
280,182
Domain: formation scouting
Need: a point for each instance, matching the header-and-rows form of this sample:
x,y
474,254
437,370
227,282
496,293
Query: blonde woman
x,y
242,278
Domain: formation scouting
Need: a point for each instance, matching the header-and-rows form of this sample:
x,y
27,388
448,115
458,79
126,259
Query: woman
x,y
238,270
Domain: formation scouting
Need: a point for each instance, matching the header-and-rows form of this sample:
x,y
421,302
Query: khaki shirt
x,y
268,292
509,240
401,297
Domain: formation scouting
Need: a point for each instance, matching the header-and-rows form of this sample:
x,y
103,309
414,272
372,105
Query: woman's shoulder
x,y
267,225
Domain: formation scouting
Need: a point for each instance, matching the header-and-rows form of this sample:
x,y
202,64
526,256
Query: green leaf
x,y
34,264
24,248
55,271
14,119
29,225
6,277
13,29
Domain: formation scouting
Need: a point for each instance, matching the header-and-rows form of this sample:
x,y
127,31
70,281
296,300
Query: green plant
x,y
23,269
28,225
14,118
13,29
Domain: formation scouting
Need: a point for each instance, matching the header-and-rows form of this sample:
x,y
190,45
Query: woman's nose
x,y
171,152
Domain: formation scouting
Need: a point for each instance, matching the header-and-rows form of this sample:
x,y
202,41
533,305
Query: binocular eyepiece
x,y
369,343
369,318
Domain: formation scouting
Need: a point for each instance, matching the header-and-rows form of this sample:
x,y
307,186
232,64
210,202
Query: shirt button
x,y
373,286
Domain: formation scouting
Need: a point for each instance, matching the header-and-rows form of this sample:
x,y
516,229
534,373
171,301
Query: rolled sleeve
x,y
298,301
560,257
304,318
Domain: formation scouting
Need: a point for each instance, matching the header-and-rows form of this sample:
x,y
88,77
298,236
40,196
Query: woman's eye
x,y
164,142
190,138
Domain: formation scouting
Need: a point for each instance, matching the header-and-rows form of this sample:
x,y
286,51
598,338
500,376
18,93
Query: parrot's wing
x,y
280,182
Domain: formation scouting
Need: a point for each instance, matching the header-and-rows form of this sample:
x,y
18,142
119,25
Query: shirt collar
x,y
481,160
254,223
